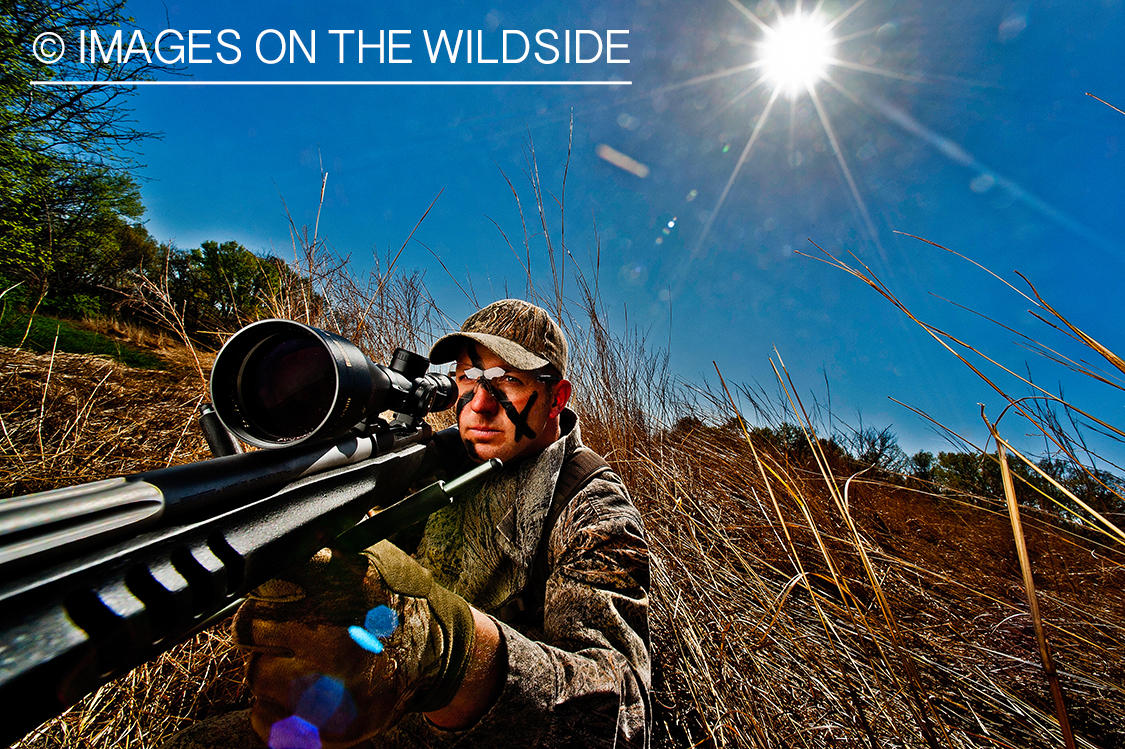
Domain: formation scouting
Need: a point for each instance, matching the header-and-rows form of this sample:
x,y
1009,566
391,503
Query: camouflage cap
x,y
520,333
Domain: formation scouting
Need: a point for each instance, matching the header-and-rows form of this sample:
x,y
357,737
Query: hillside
x,y
792,606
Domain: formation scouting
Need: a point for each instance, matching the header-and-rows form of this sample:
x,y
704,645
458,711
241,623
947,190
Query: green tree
x,y
1100,490
220,286
921,465
960,472
24,189
68,229
75,123
66,200
92,210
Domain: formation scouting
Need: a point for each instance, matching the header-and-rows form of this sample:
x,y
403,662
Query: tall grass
x,y
795,602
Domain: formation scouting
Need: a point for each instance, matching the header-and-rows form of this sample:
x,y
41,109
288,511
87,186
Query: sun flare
x,y
796,52
801,53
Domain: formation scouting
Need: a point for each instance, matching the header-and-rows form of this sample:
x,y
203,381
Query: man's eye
x,y
510,380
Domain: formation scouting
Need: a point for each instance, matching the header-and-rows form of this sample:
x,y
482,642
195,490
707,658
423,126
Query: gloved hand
x,y
345,644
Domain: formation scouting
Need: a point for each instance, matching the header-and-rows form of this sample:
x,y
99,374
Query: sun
x,y
797,55
819,64
796,52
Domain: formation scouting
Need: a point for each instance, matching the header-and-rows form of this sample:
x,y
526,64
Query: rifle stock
x,y
97,579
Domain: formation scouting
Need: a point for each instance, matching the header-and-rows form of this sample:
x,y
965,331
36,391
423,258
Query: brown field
x,y
791,606
798,600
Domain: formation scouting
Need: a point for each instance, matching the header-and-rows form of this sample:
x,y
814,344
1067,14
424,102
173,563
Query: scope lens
x,y
288,386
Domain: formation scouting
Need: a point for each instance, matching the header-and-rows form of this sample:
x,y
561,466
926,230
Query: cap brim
x,y
449,346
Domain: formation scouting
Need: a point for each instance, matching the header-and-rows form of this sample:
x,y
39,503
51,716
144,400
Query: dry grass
x,y
70,418
793,605
896,619
767,626
198,678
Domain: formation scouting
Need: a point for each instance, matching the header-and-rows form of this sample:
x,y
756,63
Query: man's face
x,y
505,412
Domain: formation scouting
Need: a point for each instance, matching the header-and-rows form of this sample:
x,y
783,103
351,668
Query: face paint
x,y
462,402
474,359
518,418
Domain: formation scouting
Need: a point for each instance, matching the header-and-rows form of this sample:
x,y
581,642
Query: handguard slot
x,y
232,561
112,619
165,594
206,575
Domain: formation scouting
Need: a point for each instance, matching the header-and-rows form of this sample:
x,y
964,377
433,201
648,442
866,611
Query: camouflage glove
x,y
343,645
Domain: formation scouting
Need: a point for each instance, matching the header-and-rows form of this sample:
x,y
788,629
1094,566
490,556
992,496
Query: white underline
x,y
331,83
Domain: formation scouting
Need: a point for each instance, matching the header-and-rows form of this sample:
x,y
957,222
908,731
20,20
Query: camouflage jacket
x,y
581,676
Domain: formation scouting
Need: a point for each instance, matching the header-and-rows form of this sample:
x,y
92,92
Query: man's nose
x,y
482,400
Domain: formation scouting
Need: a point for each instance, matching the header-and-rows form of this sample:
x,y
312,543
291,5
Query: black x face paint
x,y
462,402
518,418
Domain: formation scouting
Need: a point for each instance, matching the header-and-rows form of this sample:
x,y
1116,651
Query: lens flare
x,y
294,733
797,52
321,700
380,621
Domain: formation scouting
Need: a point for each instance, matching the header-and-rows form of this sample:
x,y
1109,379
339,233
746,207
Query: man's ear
x,y
561,395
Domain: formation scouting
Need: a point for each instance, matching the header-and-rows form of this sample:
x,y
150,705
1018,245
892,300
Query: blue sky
x,y
966,123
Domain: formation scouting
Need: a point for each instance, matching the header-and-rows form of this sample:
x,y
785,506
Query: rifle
x,y
98,578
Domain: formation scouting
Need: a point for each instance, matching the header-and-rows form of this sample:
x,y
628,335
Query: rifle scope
x,y
277,383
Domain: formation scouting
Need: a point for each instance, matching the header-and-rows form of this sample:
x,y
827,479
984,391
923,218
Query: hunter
x,y
520,615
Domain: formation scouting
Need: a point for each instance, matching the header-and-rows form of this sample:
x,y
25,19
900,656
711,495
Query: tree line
x,y
72,239
75,247
969,476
